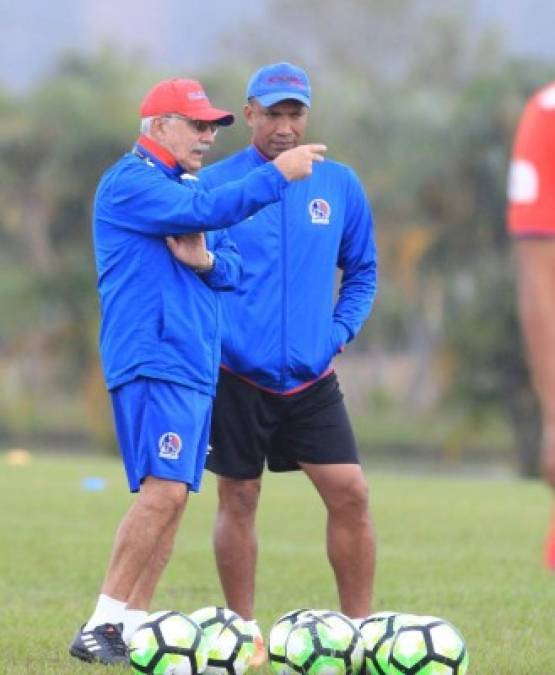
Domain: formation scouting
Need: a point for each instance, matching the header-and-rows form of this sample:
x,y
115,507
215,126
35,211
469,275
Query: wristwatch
x,y
204,269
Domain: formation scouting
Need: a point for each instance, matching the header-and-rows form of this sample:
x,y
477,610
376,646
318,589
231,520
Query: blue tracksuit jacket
x,y
159,318
283,324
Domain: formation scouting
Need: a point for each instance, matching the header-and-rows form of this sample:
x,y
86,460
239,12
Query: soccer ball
x,y
277,638
378,631
313,613
168,643
324,644
428,646
230,643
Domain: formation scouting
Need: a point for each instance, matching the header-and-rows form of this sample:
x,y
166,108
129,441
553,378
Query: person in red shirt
x,y
531,224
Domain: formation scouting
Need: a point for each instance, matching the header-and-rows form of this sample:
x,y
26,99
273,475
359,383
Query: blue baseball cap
x,y
279,82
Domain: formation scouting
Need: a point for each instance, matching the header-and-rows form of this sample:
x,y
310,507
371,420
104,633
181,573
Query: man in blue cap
x,y
278,399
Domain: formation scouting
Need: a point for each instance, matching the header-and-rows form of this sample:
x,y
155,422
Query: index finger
x,y
317,148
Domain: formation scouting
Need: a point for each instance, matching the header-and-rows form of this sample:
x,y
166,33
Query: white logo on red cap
x,y
196,95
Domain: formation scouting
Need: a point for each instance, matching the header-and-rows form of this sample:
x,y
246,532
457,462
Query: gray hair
x,y
146,122
145,125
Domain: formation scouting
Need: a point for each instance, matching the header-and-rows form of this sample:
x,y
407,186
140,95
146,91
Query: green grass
x,y
467,550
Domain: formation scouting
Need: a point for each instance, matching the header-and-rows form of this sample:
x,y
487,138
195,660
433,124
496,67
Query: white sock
x,y
107,610
132,620
254,628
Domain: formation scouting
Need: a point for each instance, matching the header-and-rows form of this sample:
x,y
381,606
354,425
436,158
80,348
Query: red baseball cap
x,y
183,97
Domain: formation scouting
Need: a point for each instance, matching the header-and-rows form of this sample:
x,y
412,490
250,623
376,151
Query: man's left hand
x,y
190,249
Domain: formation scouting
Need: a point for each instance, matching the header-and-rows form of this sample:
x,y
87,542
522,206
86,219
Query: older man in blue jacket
x,y
162,257
278,400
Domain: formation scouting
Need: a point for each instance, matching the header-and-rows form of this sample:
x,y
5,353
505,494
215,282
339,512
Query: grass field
x,y
467,550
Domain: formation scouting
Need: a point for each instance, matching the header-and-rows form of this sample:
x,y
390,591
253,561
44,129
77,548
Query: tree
x,y
471,252
59,140
425,110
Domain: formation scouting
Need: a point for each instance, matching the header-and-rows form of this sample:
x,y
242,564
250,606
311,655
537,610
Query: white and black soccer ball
x,y
277,638
168,643
327,643
311,613
428,646
378,631
229,640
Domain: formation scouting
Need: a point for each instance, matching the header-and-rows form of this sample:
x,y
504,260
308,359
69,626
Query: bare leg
x,y
143,590
151,516
536,294
235,543
350,533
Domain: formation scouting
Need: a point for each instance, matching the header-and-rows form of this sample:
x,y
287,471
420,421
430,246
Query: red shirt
x,y
531,190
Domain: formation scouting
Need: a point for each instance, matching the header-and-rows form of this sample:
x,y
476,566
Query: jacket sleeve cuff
x,y
214,273
341,336
271,170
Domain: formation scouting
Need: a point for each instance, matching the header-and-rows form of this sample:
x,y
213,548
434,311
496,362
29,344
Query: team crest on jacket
x,y
320,211
169,445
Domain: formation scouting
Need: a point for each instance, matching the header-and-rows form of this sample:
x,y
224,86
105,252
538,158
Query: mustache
x,y
201,147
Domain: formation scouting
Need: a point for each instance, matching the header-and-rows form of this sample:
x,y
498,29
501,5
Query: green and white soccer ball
x,y
277,638
428,646
312,613
168,643
230,642
378,631
324,644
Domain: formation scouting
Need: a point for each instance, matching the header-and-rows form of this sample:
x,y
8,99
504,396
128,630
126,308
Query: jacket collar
x,y
146,148
257,156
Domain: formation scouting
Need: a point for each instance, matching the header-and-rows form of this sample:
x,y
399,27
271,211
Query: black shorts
x,y
251,426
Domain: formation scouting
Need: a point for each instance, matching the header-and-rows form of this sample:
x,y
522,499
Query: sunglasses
x,y
200,126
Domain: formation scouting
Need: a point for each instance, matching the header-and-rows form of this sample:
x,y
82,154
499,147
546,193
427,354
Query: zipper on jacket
x,y
217,322
283,225
217,334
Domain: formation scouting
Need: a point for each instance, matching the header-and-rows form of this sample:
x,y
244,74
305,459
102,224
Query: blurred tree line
x,y
421,106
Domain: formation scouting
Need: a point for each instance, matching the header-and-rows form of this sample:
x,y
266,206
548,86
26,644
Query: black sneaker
x,y
103,644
